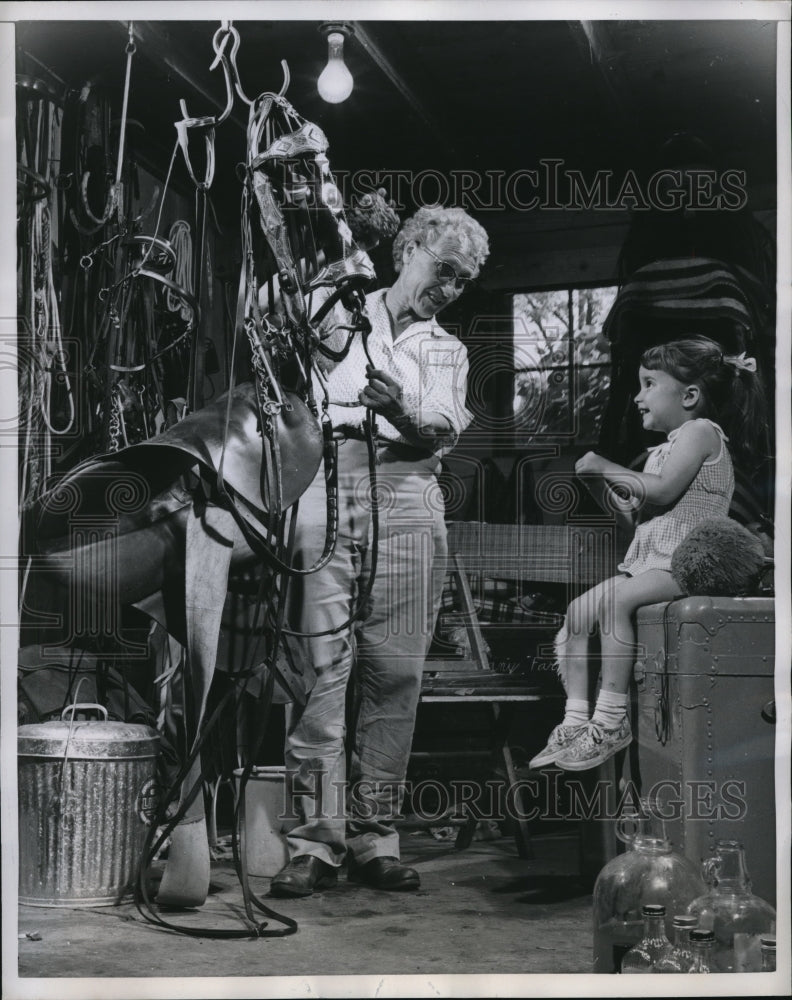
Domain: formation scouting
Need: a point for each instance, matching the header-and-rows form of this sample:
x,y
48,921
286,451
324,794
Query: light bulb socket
x,y
341,27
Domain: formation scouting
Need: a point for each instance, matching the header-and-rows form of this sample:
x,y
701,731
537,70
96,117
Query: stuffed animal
x,y
719,558
372,217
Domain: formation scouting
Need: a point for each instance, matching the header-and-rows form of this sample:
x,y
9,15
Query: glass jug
x,y
736,916
648,872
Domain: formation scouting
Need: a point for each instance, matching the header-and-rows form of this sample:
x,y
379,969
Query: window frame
x,y
570,367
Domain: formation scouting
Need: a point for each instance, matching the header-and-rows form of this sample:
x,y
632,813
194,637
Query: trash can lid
x,y
89,740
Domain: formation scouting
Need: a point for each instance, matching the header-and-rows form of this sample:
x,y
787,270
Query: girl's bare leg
x,y
573,644
617,622
609,731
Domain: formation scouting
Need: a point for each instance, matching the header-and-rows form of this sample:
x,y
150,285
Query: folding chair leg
x,y
464,837
523,833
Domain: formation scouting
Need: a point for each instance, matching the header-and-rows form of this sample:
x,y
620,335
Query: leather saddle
x,y
144,482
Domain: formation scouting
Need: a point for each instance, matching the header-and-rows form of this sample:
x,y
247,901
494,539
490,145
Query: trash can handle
x,y
74,706
84,706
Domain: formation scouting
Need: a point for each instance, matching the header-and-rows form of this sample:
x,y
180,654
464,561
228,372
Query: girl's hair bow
x,y
740,362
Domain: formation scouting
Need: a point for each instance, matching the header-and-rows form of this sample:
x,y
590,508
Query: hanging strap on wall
x,y
45,380
180,238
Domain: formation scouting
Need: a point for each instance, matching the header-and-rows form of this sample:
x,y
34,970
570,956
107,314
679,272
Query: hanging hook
x,y
229,93
234,70
231,30
286,78
219,42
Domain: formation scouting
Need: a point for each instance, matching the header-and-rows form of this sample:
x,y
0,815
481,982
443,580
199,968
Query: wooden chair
x,y
577,555
471,679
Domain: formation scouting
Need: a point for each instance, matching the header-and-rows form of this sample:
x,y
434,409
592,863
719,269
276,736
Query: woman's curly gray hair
x,y
431,222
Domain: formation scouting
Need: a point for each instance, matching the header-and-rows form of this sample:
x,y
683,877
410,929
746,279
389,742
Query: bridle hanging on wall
x,y
115,281
45,382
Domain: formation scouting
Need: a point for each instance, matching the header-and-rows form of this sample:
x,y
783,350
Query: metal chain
x,y
114,427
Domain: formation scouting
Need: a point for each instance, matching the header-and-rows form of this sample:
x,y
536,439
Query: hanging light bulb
x,y
335,81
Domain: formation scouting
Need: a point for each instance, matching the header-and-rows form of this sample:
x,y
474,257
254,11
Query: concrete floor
x,y
480,912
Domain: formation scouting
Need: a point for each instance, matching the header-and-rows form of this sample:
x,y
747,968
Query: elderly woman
x,y
415,385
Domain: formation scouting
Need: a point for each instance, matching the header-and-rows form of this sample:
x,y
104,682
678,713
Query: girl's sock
x,y
576,712
610,709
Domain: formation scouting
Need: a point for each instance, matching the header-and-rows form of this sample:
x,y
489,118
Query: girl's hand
x,y
591,464
697,441
383,394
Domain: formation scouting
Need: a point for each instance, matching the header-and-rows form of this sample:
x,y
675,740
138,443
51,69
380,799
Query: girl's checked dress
x,y
662,529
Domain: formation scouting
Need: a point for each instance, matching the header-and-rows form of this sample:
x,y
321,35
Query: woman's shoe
x,y
302,875
385,873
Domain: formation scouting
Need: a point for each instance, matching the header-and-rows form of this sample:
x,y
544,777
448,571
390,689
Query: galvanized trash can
x,y
87,792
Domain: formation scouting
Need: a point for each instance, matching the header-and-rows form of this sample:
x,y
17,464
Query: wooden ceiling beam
x,y
378,57
596,46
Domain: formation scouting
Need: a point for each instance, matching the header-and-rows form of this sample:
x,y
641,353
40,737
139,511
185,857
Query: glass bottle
x,y
702,944
731,911
680,955
768,945
641,958
648,872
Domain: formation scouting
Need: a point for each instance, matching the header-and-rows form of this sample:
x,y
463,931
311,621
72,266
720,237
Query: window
x,y
561,364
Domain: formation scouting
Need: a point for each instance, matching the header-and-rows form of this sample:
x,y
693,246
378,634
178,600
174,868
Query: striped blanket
x,y
690,290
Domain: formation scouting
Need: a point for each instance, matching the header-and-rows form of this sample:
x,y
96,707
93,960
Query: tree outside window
x,y
561,364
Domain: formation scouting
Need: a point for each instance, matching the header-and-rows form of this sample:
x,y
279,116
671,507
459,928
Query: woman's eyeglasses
x,y
446,273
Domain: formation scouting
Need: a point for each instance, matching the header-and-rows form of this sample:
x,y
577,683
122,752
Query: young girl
x,y
694,394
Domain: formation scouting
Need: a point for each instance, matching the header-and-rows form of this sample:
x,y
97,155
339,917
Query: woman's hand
x,y
383,394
